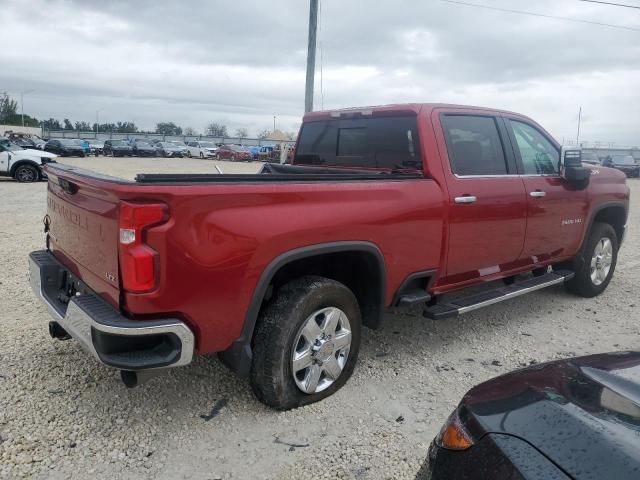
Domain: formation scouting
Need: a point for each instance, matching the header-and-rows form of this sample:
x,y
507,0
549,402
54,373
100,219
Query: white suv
x,y
201,149
25,165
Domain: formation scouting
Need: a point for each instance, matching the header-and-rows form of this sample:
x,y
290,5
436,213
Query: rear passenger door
x,y
487,200
556,209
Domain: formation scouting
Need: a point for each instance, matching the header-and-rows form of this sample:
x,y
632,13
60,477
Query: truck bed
x,y
224,230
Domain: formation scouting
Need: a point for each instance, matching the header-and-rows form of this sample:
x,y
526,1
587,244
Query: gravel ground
x,y
62,415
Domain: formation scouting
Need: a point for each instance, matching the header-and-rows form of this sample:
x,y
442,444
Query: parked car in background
x,y
590,158
96,146
233,153
117,148
202,149
167,149
25,140
253,150
65,147
143,149
86,146
24,165
265,152
181,145
624,163
571,419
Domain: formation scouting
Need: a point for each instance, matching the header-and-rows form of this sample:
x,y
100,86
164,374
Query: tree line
x,y
9,116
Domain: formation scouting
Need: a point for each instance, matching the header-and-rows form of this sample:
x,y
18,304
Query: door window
x,y
539,156
474,145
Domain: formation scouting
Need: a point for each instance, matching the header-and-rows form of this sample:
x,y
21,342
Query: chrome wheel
x,y
601,261
321,350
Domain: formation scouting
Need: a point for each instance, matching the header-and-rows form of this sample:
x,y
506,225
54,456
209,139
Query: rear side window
x,y
378,142
474,145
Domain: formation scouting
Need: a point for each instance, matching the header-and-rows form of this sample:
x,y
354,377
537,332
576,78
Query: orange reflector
x,y
455,438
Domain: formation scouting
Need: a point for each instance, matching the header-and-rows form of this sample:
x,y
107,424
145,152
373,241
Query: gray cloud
x,y
243,62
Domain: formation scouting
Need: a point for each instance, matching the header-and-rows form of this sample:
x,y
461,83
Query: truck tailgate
x,y
83,232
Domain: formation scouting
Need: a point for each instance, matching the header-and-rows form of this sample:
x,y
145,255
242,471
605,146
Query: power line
x,y
522,12
611,3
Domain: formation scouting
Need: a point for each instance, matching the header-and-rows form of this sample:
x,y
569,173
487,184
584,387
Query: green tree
x,y
168,128
8,110
67,124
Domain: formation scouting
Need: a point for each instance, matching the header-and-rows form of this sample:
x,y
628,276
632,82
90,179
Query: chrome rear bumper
x,y
112,338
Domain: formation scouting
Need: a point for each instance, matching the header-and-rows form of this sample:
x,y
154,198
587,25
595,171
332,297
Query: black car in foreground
x,y
116,148
572,419
624,163
65,147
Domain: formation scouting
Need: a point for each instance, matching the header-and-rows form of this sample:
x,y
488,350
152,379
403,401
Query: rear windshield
x,y
379,142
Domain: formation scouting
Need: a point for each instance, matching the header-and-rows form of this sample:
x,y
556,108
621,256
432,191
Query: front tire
x,y
26,174
597,263
306,343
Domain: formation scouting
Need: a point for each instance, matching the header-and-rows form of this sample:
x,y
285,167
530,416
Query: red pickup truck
x,y
276,272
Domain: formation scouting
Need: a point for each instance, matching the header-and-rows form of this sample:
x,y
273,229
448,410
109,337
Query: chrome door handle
x,y
466,199
537,194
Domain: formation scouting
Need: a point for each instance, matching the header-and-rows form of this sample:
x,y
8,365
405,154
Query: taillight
x,y
138,261
454,435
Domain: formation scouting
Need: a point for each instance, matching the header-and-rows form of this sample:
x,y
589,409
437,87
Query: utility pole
x,y
311,56
274,123
22,104
579,119
98,121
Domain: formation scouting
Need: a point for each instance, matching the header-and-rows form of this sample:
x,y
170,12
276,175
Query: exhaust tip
x,y
134,378
129,378
56,331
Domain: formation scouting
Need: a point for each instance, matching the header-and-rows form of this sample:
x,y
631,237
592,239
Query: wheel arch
x,y
19,163
358,264
613,213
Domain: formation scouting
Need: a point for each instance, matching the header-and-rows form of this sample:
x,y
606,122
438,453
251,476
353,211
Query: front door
x,y
4,159
556,210
487,201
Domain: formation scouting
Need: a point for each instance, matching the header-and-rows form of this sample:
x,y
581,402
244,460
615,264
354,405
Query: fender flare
x,y
14,166
239,356
594,214
578,258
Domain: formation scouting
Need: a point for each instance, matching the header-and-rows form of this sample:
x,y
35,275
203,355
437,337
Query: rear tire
x,y
26,174
312,318
597,262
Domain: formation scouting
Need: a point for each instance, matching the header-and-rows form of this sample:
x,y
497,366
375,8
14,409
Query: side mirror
x,y
571,168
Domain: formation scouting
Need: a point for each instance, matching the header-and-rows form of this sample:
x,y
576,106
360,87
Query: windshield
x,y
12,147
167,145
142,144
624,160
207,145
68,143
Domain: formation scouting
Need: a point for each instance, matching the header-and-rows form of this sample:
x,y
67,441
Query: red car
x,y
233,153
383,207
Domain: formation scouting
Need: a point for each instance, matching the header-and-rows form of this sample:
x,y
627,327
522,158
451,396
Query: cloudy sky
x,y
242,62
